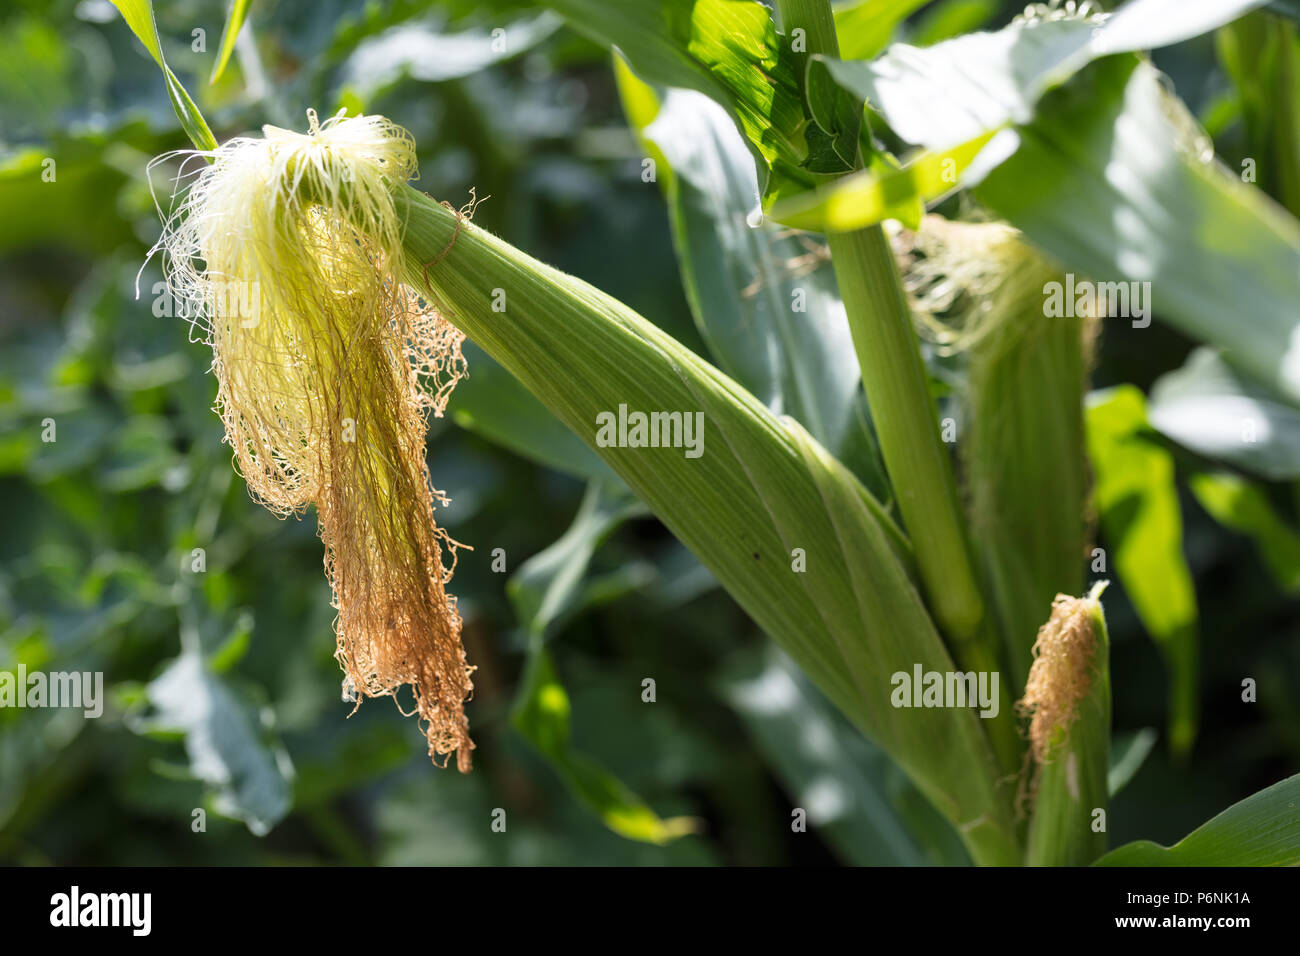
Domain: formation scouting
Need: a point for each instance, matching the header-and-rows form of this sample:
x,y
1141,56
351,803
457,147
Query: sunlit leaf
x,y
1242,506
864,28
873,195
138,15
1112,181
229,33
1262,830
1137,502
957,90
1217,412
764,301
728,50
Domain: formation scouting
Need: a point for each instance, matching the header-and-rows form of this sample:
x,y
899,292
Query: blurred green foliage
x,y
223,694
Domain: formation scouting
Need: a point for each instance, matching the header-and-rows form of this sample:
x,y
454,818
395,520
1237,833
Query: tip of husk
x,y
1060,676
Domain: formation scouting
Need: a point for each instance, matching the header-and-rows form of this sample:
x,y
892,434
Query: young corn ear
x,y
1067,701
288,251
762,489
1023,447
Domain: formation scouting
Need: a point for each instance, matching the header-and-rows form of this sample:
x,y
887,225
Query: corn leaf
x,y
1262,830
229,33
431,52
951,18
855,798
764,301
547,587
542,716
873,195
864,28
956,91
1243,506
224,739
1127,754
1137,502
138,15
760,499
726,49
1111,181
1214,410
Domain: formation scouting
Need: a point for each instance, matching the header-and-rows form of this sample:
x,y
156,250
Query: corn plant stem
x,y
906,419
894,378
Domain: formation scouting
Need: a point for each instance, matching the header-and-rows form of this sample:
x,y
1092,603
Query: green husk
x,y
1068,696
762,488
1023,447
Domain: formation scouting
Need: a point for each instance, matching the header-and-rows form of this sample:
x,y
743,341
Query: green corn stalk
x,y
902,406
1068,826
906,419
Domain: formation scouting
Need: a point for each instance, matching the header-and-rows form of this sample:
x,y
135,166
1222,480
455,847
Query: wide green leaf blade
x,y
1137,502
1217,412
1262,830
957,90
1113,181
728,50
764,301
